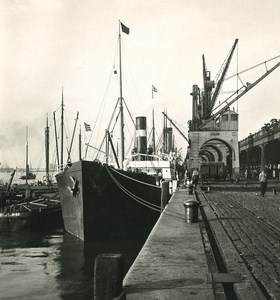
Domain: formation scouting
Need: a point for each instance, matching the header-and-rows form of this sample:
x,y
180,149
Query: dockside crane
x,y
211,123
222,76
204,102
208,99
241,92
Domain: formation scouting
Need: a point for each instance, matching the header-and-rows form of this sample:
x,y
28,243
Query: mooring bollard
x,y
164,194
191,211
108,276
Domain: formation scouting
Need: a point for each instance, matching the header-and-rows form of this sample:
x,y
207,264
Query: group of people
x,y
194,178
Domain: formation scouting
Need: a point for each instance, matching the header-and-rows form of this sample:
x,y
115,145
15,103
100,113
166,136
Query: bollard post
x,y
164,194
191,211
108,276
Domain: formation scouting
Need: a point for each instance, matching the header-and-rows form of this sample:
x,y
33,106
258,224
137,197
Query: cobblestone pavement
x,y
253,224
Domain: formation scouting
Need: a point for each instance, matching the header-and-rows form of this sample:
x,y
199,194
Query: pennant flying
x,y
124,28
154,89
87,127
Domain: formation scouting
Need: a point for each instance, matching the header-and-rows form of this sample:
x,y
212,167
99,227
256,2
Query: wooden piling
x,y
108,276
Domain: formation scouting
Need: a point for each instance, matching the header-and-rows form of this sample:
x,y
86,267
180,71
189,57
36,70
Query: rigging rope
x,y
102,106
255,66
129,114
135,197
237,69
145,183
108,128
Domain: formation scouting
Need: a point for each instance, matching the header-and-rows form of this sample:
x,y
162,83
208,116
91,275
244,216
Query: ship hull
x,y
96,205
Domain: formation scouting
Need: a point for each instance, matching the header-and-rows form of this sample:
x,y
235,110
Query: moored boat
x,y
100,201
30,207
29,175
39,214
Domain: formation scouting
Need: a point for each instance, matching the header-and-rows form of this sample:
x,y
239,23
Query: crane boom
x,y
172,122
224,72
247,89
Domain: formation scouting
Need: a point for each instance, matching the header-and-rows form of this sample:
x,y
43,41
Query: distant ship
x,y
28,174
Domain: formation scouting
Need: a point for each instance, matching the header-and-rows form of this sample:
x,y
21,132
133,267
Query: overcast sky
x,y
45,45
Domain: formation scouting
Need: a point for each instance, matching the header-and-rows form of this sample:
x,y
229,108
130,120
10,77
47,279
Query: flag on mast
x,y
154,90
87,127
124,28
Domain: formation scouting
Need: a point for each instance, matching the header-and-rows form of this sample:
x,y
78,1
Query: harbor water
x,y
54,265
5,177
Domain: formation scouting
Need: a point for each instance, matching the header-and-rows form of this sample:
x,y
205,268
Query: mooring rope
x,y
140,200
135,197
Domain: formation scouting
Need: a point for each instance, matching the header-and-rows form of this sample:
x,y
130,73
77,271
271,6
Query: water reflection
x,y
54,265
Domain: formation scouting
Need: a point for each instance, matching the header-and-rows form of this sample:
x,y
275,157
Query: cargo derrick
x,y
173,123
213,130
204,101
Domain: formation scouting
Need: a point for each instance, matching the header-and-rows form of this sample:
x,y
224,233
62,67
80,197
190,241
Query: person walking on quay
x,y
263,181
195,178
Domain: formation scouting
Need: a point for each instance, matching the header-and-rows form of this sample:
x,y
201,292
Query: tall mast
x,y
121,102
154,138
62,125
26,166
107,145
70,149
80,144
56,142
47,151
164,134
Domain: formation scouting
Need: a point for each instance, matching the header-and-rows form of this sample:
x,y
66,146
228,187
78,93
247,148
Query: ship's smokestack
x,y
141,135
169,139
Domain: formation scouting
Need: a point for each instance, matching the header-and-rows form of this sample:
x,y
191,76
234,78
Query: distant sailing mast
x,y
47,152
28,174
62,129
26,159
59,162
